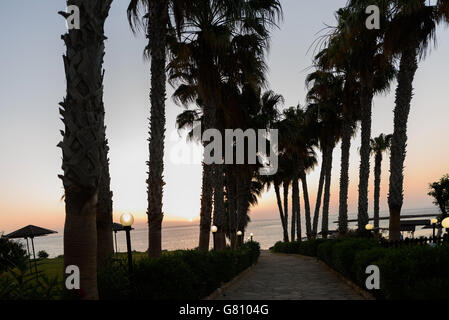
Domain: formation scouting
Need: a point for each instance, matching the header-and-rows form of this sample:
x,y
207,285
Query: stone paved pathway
x,y
288,277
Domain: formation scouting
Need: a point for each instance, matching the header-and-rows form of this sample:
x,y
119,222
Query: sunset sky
x,y
32,82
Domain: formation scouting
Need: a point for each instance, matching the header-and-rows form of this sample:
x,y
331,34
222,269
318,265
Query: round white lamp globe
x,y
214,229
369,227
445,223
127,219
239,233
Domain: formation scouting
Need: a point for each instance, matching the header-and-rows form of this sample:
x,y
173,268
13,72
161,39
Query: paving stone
x,y
289,277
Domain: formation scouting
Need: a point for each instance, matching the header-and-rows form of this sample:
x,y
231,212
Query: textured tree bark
x,y
344,177
305,192
327,194
404,93
296,219
285,191
82,146
232,205
219,210
366,98
320,193
243,190
105,244
281,211
377,178
80,241
157,35
206,208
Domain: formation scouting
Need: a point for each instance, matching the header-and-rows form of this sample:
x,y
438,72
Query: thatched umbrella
x,y
30,232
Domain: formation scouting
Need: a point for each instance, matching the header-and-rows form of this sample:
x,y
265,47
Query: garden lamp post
x,y
251,236
239,236
369,228
445,224
214,230
127,221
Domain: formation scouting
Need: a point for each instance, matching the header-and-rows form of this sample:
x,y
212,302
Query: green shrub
x,y
177,275
12,255
42,255
310,247
325,251
344,252
286,247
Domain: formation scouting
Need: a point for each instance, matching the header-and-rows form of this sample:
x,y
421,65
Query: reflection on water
x,y
266,232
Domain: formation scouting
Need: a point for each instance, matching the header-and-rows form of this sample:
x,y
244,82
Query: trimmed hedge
x,y
177,275
306,248
415,272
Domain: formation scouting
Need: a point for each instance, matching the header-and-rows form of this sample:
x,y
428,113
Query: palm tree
x,y
83,141
156,20
379,145
222,38
296,142
324,111
336,59
409,34
368,60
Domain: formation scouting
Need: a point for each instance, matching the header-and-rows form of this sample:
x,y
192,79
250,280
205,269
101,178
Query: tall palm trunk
x,y
296,219
232,205
305,192
366,98
281,211
293,225
344,177
377,178
320,193
285,191
327,194
206,207
404,93
243,190
157,35
105,245
83,116
219,208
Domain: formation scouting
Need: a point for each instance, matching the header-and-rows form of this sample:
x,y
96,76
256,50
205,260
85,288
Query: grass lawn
x,y
53,268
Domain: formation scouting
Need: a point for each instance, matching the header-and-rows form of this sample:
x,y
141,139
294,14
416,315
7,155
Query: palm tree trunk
x,y
305,192
327,194
281,211
232,205
366,98
157,35
82,146
285,190
320,193
293,225
242,202
80,240
344,177
296,219
105,244
219,209
377,177
404,93
206,207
